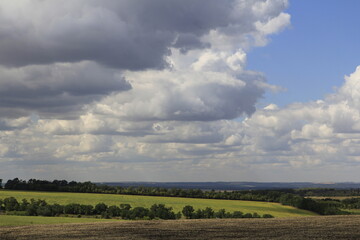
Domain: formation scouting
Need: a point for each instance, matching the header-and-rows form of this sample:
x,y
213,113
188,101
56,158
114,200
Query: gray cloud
x,y
56,58
124,34
58,89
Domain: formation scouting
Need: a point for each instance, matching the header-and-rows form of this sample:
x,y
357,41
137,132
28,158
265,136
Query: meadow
x,y
333,197
10,220
275,209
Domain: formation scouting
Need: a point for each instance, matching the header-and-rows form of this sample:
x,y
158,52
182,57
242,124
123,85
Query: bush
x,y
100,208
162,212
44,211
188,211
114,211
220,214
237,214
11,204
248,215
139,213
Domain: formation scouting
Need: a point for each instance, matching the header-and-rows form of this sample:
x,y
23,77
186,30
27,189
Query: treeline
x,y
347,203
124,211
328,192
286,196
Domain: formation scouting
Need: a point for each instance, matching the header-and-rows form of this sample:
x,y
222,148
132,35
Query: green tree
x,y
139,213
248,215
237,214
198,214
114,211
57,209
100,207
44,211
208,213
220,214
23,205
87,209
11,204
125,210
162,212
188,211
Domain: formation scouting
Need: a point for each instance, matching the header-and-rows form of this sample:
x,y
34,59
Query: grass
x,y
9,220
334,197
275,209
352,211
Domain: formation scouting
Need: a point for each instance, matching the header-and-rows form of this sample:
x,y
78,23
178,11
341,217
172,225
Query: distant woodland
x,y
292,197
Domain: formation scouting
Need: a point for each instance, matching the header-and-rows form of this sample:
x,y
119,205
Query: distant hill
x,y
236,185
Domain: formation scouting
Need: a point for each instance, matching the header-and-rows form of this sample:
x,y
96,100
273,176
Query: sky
x,y
190,90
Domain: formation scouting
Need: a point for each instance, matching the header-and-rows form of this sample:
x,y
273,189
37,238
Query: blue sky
x,y
314,53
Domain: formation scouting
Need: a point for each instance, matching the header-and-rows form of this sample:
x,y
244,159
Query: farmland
x,y
318,227
275,209
9,220
333,197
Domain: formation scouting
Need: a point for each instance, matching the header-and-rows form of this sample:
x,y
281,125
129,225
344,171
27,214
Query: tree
x,y
198,214
188,211
100,207
220,214
23,205
162,212
237,214
11,204
248,215
208,213
114,211
87,209
44,211
57,209
139,213
31,209
125,210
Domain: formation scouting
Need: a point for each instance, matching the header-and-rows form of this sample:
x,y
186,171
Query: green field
x,y
8,220
275,209
353,211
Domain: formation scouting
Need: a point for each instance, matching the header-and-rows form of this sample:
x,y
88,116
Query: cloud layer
x,y
159,90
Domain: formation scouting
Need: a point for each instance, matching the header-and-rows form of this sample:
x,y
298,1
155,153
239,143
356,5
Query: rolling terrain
x,y
319,227
275,209
237,185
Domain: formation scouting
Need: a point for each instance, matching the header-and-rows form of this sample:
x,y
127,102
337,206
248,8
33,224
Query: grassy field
x,y
353,211
335,197
274,209
8,220
319,227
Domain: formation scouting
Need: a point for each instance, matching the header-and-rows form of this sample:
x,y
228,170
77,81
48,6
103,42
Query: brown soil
x,y
329,227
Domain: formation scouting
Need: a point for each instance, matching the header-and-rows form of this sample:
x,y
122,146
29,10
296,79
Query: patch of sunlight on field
x,y
334,197
353,211
9,220
275,209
